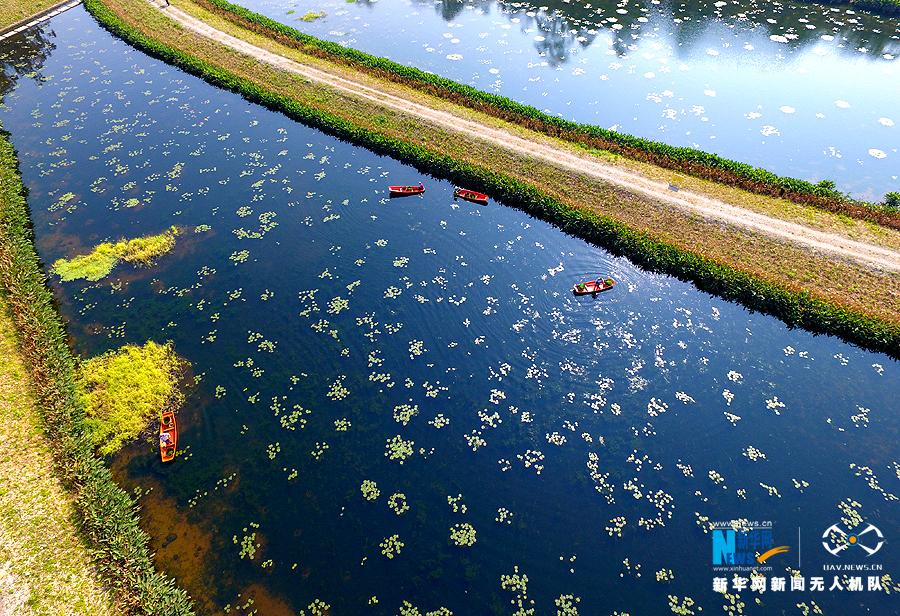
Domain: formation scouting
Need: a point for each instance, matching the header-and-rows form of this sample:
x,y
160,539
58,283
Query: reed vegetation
x,y
104,257
125,390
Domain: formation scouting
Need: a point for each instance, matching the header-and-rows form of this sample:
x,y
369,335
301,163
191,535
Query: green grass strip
x,y
108,517
796,309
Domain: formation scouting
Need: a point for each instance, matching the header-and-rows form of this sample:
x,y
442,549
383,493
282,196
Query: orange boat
x,y
402,191
168,436
470,195
594,286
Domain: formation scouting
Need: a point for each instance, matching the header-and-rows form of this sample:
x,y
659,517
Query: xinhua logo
x,y
835,539
739,547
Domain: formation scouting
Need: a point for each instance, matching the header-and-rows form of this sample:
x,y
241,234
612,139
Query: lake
x,y
399,405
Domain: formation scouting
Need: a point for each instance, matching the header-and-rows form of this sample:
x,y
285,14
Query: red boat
x,y
402,191
470,195
594,286
168,436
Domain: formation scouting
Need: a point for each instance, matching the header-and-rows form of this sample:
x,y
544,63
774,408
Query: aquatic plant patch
x,y
126,390
104,257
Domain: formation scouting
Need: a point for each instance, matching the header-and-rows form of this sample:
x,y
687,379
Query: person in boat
x,y
164,440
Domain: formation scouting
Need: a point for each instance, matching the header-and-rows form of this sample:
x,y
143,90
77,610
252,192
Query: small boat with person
x,y
470,195
168,436
402,191
594,286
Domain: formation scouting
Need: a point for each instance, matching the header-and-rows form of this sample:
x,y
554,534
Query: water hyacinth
x,y
397,502
404,412
398,449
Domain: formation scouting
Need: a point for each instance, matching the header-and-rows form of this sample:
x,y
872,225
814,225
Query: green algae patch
x,y
101,261
94,266
125,390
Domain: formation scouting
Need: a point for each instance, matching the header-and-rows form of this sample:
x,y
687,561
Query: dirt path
x,y
870,255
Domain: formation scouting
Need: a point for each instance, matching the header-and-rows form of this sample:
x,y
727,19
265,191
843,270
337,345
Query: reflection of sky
x,y
720,84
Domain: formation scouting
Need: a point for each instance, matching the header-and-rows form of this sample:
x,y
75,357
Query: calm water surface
x,y
801,90
434,348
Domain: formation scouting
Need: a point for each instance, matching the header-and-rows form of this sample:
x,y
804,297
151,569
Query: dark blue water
x,y
319,314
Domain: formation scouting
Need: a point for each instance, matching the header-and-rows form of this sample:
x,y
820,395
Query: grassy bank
x,y
46,569
14,11
801,288
105,515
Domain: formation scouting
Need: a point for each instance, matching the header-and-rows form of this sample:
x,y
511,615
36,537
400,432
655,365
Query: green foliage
x,y
125,390
107,515
144,250
93,266
892,201
101,261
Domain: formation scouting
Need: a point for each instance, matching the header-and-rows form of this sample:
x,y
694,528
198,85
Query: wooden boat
x,y
470,195
167,444
402,191
594,286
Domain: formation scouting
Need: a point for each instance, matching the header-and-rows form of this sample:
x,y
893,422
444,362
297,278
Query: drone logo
x,y
849,540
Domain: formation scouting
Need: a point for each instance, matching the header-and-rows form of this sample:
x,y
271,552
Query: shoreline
x,y
107,555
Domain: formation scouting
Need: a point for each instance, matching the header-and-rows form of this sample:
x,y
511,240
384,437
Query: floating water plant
x,y
566,605
397,502
390,547
404,412
101,261
463,534
398,449
248,548
124,390
369,490
453,501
